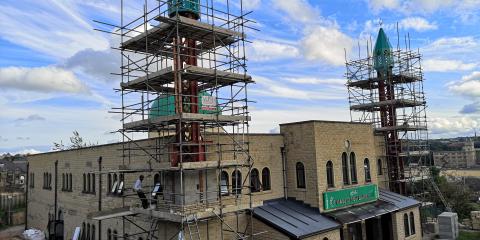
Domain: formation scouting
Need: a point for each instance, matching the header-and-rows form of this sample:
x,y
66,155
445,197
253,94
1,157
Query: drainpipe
x,y
26,195
100,196
56,198
284,163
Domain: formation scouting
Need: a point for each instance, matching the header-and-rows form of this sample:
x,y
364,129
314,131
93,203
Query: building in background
x,y
464,158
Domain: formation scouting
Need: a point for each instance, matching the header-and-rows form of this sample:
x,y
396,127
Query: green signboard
x,y
350,196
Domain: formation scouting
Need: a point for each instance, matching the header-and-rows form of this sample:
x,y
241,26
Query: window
x,y
266,185
70,186
412,223
330,176
84,182
346,180
224,183
120,185
353,168
88,183
254,180
115,235
109,182
300,169
83,231
366,166
109,234
236,182
87,234
31,181
379,167
405,225
47,181
92,189
92,229
63,182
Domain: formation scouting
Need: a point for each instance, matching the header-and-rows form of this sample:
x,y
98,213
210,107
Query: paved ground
x,y
12,232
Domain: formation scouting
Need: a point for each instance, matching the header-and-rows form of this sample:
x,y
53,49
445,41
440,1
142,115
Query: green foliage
x,y
76,142
469,235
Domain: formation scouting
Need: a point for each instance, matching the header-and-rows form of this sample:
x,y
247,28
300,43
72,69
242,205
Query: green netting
x,y
184,6
165,106
382,53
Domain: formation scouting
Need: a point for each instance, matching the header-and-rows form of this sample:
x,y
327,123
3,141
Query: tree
x,y
76,142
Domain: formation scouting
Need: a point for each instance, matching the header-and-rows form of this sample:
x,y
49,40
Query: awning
x,y
358,213
388,202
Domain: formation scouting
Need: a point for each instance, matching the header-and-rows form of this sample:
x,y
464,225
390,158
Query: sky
x,y
55,68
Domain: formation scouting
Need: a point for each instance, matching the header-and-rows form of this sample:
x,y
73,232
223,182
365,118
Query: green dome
x,y
184,6
165,106
382,53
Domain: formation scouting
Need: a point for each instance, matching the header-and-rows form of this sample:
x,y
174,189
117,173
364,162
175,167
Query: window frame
x,y
367,170
330,174
406,225
224,188
266,183
255,184
345,169
353,168
379,167
412,223
300,175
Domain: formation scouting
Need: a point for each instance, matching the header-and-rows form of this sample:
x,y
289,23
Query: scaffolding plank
x,y
160,38
150,123
400,128
204,213
207,77
372,82
111,213
398,103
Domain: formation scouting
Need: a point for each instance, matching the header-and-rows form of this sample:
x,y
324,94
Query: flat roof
x,y
324,121
295,219
138,140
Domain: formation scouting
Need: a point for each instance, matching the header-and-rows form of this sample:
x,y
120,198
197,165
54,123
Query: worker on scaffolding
x,y
138,188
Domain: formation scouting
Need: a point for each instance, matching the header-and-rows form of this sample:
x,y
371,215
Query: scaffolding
x,y
393,100
184,85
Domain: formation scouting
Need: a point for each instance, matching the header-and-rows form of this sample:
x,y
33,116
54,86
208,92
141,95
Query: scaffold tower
x,y
386,89
184,85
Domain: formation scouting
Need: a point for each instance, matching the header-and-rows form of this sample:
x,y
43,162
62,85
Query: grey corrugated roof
x,y
400,201
12,166
294,218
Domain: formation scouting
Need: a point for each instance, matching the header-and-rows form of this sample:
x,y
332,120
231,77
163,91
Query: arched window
x,y
70,187
83,231
330,176
346,179
224,183
63,181
115,235
93,232
266,185
412,223
93,183
254,180
325,238
88,232
405,225
353,168
300,169
84,182
109,234
366,166
109,182
237,182
89,182
120,184
115,183
379,167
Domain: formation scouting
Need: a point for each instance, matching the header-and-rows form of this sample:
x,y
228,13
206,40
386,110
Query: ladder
x,y
439,193
193,230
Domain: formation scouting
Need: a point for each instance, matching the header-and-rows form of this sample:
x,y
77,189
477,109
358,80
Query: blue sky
x,y
54,68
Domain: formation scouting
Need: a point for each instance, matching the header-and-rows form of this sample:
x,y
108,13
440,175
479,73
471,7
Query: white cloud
x,y
98,64
50,28
453,43
453,125
327,44
313,80
378,5
251,4
416,23
261,50
26,151
41,79
277,89
298,10
445,65
267,120
469,86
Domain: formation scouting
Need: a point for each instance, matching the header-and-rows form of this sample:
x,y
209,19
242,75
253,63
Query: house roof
x,y
294,218
400,201
9,166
